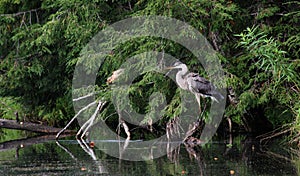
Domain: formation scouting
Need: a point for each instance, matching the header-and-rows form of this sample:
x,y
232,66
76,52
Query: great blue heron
x,y
196,84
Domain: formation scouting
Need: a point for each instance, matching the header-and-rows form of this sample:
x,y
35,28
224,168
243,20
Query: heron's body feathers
x,y
196,84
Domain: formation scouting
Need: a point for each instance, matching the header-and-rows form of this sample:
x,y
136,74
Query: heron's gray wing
x,y
198,78
198,84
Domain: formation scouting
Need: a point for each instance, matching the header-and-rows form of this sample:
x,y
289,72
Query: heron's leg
x,y
203,108
198,100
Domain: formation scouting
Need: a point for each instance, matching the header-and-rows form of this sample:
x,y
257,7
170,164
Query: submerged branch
x,y
87,125
87,149
70,122
126,128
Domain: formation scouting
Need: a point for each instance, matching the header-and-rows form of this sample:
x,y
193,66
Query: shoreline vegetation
x,y
257,44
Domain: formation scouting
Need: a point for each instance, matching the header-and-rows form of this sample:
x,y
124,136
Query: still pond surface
x,y
41,156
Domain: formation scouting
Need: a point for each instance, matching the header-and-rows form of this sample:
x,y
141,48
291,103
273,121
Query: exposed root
x,y
192,129
173,131
173,153
192,141
229,124
275,133
172,128
197,155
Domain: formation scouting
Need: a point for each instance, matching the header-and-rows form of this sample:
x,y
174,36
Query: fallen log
x,y
33,127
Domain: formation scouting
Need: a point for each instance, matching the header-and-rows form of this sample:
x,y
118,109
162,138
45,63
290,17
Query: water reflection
x,y
244,156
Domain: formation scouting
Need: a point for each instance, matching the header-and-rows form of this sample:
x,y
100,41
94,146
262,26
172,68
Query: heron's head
x,y
178,64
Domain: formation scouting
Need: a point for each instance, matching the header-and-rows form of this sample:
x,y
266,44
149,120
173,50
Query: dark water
x,y
244,157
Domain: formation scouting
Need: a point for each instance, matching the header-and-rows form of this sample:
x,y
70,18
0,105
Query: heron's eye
x,y
177,63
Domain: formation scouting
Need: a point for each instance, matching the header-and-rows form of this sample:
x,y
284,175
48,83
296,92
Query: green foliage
x,y
9,106
269,78
265,54
214,19
41,41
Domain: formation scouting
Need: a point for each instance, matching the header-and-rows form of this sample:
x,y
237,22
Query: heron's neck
x,y
184,69
180,78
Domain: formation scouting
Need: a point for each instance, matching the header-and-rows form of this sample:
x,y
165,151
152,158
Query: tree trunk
x,y
28,126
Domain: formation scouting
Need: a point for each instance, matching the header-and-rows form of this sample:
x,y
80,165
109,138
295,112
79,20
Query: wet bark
x,y
33,127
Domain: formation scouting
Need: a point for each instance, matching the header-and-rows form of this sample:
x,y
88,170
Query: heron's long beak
x,y
170,68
